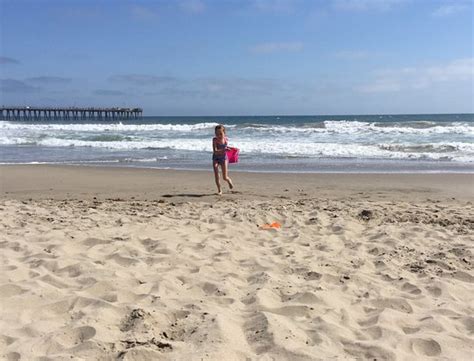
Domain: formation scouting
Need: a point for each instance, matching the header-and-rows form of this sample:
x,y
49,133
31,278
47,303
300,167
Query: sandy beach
x,y
142,264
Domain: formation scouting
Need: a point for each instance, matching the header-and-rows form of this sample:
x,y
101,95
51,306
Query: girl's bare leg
x,y
225,176
216,176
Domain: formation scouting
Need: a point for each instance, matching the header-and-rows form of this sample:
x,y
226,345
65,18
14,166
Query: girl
x,y
219,157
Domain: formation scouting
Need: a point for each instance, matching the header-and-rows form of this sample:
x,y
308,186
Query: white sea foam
x,y
17,141
65,162
143,160
417,140
456,151
329,127
449,147
356,127
104,127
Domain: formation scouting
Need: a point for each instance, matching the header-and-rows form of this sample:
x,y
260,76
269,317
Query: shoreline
x,y
118,164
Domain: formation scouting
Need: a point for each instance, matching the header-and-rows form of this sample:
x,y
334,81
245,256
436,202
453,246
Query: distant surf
x,y
281,143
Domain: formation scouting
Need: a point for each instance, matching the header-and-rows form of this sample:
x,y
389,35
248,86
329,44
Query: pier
x,y
69,113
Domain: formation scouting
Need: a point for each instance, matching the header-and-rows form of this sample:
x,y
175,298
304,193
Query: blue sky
x,y
229,57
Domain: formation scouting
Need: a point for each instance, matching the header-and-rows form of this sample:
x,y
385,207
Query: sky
x,y
240,57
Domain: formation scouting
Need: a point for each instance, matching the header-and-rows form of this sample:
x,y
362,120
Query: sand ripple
x,y
147,280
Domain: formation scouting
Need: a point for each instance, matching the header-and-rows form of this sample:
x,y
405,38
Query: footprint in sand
x,y
123,261
5,341
10,290
468,323
150,244
369,321
72,337
54,281
12,356
106,291
258,278
71,271
431,324
374,251
337,229
212,289
374,332
257,333
314,338
192,327
134,319
463,276
33,274
363,351
91,242
312,276
426,347
302,297
323,248
380,265
410,330
278,251
53,309
410,288
398,304
434,290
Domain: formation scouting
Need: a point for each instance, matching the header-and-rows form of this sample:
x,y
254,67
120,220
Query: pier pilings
x,y
69,113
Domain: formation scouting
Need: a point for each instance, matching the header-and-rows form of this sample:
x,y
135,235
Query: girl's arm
x,y
214,146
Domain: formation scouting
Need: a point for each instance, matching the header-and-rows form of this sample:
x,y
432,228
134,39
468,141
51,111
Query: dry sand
x,y
107,264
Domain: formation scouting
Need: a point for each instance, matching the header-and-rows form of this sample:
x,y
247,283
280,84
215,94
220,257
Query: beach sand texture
x,y
97,267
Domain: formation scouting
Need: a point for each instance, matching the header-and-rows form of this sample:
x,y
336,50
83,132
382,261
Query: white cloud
x,y
363,5
381,85
449,9
420,77
141,79
236,88
49,80
16,86
266,48
192,6
461,69
108,92
4,60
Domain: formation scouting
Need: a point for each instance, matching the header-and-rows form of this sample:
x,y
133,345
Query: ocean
x,y
351,144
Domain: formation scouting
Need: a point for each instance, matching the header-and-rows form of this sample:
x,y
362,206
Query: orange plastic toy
x,y
274,225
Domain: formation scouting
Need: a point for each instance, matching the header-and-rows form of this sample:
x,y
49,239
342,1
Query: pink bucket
x,y
233,155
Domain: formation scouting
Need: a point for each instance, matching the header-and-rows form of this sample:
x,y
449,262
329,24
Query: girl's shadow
x,y
191,195
194,195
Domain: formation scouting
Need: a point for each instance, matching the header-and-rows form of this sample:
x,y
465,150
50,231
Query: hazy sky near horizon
x,y
229,57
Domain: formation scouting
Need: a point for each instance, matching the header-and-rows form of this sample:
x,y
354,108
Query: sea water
x,y
357,143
